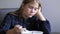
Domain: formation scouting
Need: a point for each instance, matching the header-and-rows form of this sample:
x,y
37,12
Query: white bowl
x,y
37,32
26,32
32,32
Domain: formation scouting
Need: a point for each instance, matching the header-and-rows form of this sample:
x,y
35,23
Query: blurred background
x,y
50,9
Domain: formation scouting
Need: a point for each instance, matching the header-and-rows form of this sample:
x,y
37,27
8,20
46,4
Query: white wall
x,y
10,3
50,9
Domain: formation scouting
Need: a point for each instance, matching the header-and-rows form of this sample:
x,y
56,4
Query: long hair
x,y
19,11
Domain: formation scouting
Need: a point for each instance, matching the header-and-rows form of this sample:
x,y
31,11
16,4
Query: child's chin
x,y
30,16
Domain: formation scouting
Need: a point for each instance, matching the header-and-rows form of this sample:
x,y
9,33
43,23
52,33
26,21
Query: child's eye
x,y
36,8
31,7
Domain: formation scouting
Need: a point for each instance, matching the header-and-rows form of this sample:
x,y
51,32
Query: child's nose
x,y
32,11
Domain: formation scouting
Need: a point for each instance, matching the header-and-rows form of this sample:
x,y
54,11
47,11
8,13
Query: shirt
x,y
33,23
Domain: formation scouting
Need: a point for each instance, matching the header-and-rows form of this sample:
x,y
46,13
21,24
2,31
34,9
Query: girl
x,y
28,16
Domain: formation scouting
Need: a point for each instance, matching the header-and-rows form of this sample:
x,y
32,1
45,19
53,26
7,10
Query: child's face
x,y
30,9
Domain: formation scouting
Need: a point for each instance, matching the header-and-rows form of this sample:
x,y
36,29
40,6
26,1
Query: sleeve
x,y
44,26
5,25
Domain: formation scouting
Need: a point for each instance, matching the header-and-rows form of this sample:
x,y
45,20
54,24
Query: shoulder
x,y
11,14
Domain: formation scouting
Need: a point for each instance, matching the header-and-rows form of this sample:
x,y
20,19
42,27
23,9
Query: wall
x,y
10,3
50,9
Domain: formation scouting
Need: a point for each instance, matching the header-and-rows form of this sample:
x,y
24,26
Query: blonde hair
x,y
19,11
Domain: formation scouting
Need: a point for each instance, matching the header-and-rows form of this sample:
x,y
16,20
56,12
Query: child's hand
x,y
39,15
19,29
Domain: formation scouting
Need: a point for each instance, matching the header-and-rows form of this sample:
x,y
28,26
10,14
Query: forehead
x,y
33,4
